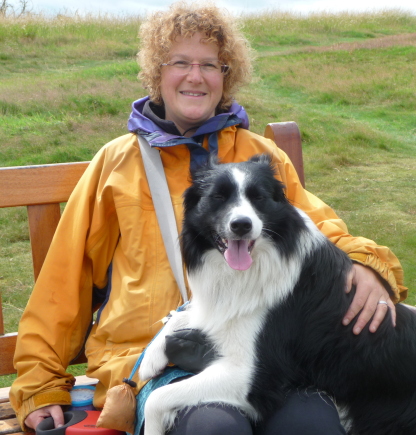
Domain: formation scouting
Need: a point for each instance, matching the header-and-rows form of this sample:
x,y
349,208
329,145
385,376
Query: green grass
x,y
348,80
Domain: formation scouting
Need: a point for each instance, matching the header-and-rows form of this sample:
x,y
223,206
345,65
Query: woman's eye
x,y
180,63
209,66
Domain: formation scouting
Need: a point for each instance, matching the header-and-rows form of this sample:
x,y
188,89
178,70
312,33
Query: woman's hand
x,y
54,411
369,292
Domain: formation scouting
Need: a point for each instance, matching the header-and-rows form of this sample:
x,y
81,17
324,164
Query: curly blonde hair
x,y
160,30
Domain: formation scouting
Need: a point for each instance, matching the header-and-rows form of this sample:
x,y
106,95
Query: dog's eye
x,y
257,197
218,197
255,194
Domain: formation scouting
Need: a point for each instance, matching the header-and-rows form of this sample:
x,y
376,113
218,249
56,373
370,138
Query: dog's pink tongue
x,y
237,255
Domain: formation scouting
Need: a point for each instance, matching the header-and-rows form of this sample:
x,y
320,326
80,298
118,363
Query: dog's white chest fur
x,y
225,308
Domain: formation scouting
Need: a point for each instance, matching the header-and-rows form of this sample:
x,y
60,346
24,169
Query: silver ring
x,y
382,302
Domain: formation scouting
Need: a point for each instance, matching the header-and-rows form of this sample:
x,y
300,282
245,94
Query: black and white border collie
x,y
268,289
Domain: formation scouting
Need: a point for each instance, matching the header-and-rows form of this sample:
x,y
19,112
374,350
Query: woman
x,y
108,243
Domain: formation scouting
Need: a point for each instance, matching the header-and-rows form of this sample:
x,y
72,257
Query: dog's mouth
x,y
237,253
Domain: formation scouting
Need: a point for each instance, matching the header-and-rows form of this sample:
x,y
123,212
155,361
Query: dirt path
x,y
381,42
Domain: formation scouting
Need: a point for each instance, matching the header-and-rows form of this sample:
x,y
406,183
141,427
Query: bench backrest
x,y
43,188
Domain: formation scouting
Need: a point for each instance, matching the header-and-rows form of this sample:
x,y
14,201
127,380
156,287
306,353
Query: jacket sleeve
x,y
361,250
53,327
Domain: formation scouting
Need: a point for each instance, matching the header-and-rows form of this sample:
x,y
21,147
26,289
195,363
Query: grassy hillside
x,y
348,80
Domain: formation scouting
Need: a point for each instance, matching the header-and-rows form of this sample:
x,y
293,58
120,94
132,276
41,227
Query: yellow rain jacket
x,y
110,219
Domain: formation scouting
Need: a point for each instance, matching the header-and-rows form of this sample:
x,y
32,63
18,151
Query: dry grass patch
x,y
381,42
404,40
357,77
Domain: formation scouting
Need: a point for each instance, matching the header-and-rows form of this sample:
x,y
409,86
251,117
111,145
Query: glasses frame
x,y
224,68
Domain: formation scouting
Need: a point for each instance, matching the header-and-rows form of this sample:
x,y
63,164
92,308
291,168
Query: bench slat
x,y
29,185
6,411
9,426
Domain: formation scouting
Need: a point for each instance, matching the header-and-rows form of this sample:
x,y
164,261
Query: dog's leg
x,y
221,382
155,360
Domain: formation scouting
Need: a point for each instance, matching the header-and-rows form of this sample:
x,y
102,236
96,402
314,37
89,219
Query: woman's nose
x,y
194,74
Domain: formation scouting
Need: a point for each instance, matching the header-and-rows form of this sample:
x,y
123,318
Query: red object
x,y
88,426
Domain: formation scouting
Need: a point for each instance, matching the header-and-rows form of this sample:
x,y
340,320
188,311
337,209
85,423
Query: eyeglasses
x,y
183,67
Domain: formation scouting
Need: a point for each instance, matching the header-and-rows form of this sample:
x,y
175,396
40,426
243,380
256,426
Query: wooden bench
x,y
42,189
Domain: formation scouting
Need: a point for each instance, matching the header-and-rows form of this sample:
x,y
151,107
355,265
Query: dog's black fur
x,y
303,343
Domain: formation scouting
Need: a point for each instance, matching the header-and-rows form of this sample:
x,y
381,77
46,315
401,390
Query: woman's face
x,y
191,98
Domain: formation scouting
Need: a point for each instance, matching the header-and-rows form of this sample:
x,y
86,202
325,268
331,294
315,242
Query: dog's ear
x,y
279,191
262,159
212,161
198,170
265,160
199,177
278,187
200,173
191,197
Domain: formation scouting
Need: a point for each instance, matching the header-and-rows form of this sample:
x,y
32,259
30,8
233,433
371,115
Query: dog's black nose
x,y
241,226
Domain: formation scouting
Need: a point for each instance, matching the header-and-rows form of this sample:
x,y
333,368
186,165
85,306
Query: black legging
x,y
305,413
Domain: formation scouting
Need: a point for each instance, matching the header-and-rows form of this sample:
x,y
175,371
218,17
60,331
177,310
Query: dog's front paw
x,y
154,361
158,418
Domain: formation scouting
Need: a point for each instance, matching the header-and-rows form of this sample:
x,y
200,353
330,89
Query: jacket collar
x,y
161,133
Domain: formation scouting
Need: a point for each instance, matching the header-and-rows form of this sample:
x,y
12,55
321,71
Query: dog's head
x,y
229,207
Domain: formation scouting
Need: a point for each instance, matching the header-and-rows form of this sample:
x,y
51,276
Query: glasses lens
x,y
182,67
210,67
